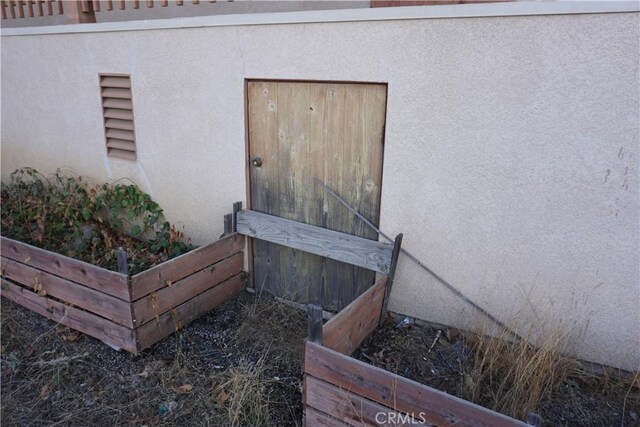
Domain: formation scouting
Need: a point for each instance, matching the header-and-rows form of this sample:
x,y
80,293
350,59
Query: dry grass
x,y
513,374
245,394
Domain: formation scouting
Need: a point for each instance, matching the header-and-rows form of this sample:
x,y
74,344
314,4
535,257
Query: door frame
x,y
247,157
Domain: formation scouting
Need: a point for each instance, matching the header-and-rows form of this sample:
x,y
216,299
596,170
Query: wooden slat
x,y
49,7
157,303
3,8
180,267
116,113
125,104
179,2
136,4
85,6
164,3
121,144
121,4
121,134
119,124
315,418
348,407
101,279
72,317
60,8
112,92
96,5
396,392
30,9
152,332
20,9
343,247
150,4
109,4
346,330
121,154
12,12
99,303
40,7
115,81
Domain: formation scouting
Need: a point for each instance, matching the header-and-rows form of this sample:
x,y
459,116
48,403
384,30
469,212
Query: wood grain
x,y
88,299
347,407
157,303
180,267
152,332
85,322
346,330
315,418
396,392
307,130
100,279
316,240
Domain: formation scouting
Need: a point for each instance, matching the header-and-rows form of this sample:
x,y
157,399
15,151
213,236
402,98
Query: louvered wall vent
x,y
117,110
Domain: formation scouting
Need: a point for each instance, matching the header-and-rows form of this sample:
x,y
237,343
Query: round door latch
x,y
257,161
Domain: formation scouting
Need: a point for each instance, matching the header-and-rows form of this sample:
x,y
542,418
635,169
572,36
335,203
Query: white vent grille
x,y
117,110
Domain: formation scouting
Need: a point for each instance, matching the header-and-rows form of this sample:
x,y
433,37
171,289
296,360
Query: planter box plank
x,y
347,329
112,308
180,267
396,392
72,317
315,418
170,322
89,275
347,407
159,302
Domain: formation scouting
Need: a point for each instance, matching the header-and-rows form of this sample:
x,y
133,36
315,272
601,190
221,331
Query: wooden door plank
x,y
100,279
262,105
174,320
396,392
105,305
180,267
347,407
354,250
85,322
157,303
348,329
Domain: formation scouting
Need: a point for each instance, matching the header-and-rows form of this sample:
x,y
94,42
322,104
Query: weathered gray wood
x,y
237,207
314,312
392,272
331,244
396,392
123,263
228,224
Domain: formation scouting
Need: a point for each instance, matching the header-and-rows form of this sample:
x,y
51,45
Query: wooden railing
x,y
73,12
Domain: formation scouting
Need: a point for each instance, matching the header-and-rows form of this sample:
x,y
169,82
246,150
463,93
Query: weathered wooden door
x,y
298,132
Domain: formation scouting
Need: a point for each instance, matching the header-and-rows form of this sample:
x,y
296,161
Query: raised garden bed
x,y
124,311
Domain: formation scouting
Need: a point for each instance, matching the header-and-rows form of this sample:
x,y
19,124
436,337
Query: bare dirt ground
x,y
238,365
580,398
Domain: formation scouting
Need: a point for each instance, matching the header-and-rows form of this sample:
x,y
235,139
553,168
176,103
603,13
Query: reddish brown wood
x,y
100,279
20,9
12,12
29,8
49,7
85,322
96,5
178,268
157,303
152,332
347,407
40,7
3,8
346,331
88,299
396,392
109,4
315,418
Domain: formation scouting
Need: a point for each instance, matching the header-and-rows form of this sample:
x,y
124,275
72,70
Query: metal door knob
x,y
257,161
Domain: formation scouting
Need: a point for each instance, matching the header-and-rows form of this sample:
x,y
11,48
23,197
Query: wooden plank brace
x,y
392,272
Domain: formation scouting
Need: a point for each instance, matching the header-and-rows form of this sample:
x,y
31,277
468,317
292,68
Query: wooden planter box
x,y
342,391
129,312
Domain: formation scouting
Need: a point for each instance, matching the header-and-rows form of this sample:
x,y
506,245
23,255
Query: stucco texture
x,y
510,162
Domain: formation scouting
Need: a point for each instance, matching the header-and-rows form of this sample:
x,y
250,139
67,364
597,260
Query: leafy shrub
x,y
64,214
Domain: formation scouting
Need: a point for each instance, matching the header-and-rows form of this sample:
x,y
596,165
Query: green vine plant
x,y
64,214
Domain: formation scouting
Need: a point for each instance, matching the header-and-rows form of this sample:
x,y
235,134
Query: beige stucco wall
x,y
511,156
